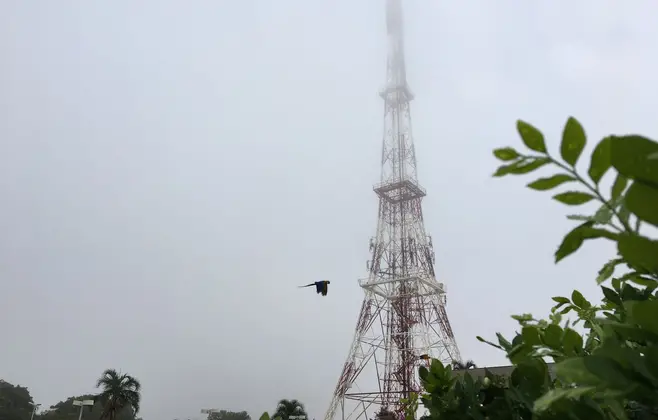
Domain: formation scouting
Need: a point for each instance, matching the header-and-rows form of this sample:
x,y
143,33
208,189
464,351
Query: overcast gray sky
x,y
170,171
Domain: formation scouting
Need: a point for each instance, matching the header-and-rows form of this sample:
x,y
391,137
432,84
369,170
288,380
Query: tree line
x,y
286,409
118,398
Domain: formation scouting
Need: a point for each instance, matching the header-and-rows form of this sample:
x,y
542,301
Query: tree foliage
x,y
119,392
611,370
65,410
110,403
469,364
119,399
286,408
15,402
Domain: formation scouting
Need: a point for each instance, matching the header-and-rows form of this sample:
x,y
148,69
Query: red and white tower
x,y
403,315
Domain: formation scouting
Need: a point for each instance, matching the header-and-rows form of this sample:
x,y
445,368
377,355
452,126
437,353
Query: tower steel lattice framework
x,y
403,315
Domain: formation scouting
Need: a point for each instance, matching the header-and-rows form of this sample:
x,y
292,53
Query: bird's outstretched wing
x,y
320,287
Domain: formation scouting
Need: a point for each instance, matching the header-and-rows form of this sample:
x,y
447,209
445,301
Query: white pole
x,y
34,410
82,405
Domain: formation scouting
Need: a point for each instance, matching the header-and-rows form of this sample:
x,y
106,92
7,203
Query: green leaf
x,y
265,416
572,342
573,141
643,281
630,293
624,213
529,166
651,354
572,242
608,270
639,252
522,318
506,154
603,215
504,169
560,299
521,167
608,371
424,373
490,343
574,239
503,342
580,218
552,336
573,370
530,335
645,314
642,200
629,330
566,309
573,198
611,295
532,137
519,352
630,156
558,306
543,184
605,273
601,161
618,186
554,395
579,300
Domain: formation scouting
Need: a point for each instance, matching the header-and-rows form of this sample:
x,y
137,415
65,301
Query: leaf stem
x,y
595,191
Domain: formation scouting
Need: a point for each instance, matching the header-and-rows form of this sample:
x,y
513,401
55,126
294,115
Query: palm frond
x,y
118,392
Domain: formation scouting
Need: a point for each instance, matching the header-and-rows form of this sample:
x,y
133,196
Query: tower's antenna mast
x,y
403,315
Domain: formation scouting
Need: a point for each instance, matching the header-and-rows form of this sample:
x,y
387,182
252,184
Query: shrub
x,y
610,371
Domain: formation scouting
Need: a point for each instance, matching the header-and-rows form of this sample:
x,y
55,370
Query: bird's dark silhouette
x,y
321,287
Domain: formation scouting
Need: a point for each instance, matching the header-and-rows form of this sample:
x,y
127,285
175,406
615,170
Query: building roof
x,y
496,370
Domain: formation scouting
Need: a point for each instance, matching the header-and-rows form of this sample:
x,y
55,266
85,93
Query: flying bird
x,y
321,287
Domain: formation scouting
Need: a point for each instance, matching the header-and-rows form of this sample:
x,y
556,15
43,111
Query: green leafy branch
x,y
611,370
634,191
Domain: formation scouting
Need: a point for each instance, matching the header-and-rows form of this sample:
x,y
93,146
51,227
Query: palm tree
x,y
457,365
118,392
287,408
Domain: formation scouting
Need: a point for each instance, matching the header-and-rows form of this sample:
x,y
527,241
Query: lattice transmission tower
x,y
403,316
